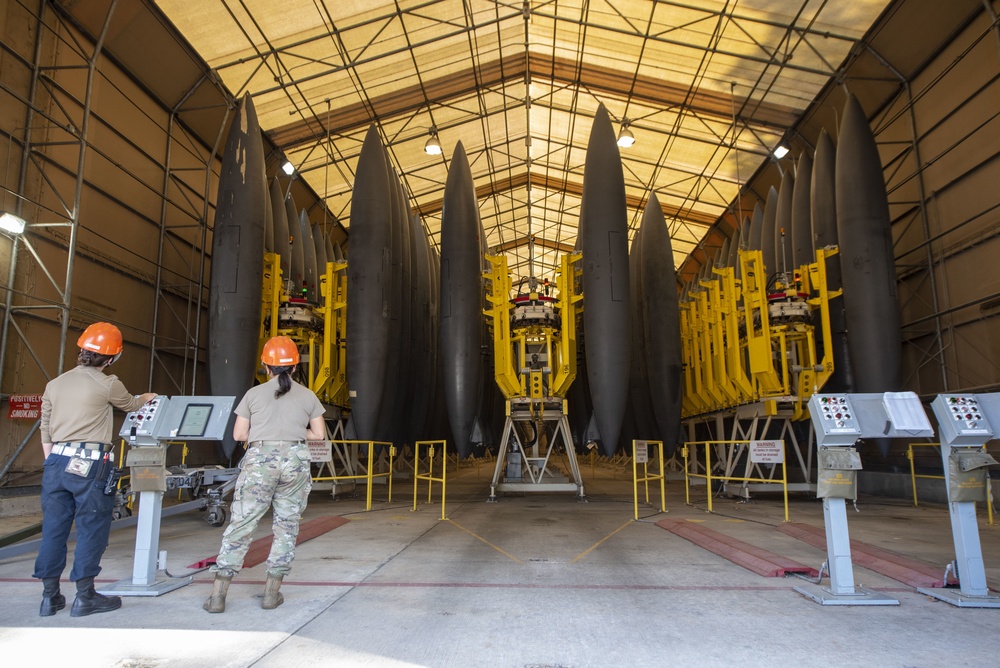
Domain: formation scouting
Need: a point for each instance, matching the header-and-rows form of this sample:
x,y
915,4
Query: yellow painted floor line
x,y
595,545
503,552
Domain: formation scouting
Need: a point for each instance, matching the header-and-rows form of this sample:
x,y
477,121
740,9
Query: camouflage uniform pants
x,y
271,475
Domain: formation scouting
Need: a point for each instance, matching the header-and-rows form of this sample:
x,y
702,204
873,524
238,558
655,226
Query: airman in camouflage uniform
x,y
274,419
277,474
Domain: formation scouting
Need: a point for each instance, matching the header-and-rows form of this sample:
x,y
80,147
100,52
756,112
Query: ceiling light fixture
x,y
11,223
625,136
433,146
288,168
780,152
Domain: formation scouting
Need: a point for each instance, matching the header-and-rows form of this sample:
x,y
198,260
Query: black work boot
x,y
52,600
88,601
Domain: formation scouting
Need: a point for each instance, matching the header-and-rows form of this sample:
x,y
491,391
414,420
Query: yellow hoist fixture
x,y
319,330
746,341
534,346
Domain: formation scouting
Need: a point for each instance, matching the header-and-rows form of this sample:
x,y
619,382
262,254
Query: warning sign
x,y
767,452
319,451
24,406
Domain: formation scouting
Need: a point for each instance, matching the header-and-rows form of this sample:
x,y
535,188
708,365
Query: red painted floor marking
x,y
896,566
260,548
750,557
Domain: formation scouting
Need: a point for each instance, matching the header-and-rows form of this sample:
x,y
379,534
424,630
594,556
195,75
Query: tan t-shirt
x,y
77,406
284,419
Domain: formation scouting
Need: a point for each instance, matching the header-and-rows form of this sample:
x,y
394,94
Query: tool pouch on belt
x,y
114,475
837,473
967,475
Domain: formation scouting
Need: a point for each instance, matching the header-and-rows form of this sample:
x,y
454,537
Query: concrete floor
x,y
533,581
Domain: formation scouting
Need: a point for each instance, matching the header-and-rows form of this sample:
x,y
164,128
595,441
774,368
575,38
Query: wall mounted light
x,y
780,151
288,168
625,136
433,146
11,223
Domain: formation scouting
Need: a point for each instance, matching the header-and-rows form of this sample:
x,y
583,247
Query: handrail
x,y
369,475
709,477
914,475
429,476
646,477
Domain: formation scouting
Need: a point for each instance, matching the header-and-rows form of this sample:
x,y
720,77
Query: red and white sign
x,y
24,406
320,451
767,452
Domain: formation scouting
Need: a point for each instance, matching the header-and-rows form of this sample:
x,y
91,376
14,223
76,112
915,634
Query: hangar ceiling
x,y
708,88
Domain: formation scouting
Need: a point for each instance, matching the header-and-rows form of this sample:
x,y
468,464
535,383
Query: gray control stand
x,y
965,427
839,421
149,431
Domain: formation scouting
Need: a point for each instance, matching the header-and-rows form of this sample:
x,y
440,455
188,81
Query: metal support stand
x,y
838,554
966,425
534,466
973,592
838,421
147,549
150,430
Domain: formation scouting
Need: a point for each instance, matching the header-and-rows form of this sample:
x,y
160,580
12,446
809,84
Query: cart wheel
x,y
216,517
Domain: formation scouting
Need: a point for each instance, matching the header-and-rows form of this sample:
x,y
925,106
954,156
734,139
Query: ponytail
x,y
90,358
284,379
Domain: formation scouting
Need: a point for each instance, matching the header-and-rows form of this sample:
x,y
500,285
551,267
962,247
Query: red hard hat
x,y
280,351
101,337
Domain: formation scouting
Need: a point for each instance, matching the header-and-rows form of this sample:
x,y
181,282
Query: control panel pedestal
x,y
148,432
966,425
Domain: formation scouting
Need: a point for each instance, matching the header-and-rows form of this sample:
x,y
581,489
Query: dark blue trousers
x,y
66,497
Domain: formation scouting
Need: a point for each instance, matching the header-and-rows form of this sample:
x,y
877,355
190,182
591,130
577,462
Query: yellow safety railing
x,y
707,475
125,477
429,476
914,475
369,474
646,477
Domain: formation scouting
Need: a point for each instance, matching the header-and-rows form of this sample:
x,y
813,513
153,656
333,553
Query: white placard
x,y
906,412
319,451
767,452
641,452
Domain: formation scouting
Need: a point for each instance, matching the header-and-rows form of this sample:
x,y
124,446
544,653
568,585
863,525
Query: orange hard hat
x,y
280,351
102,338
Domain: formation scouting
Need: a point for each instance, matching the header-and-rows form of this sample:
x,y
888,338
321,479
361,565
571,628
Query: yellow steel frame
x,y
568,307
429,476
758,328
271,294
816,282
691,402
716,326
327,355
510,348
728,305
330,380
710,388
498,310
734,354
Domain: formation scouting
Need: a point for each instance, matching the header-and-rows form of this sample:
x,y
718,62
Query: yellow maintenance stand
x,y
319,329
750,355
534,343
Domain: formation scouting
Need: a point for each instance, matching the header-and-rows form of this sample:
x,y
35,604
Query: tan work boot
x,y
217,601
272,597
